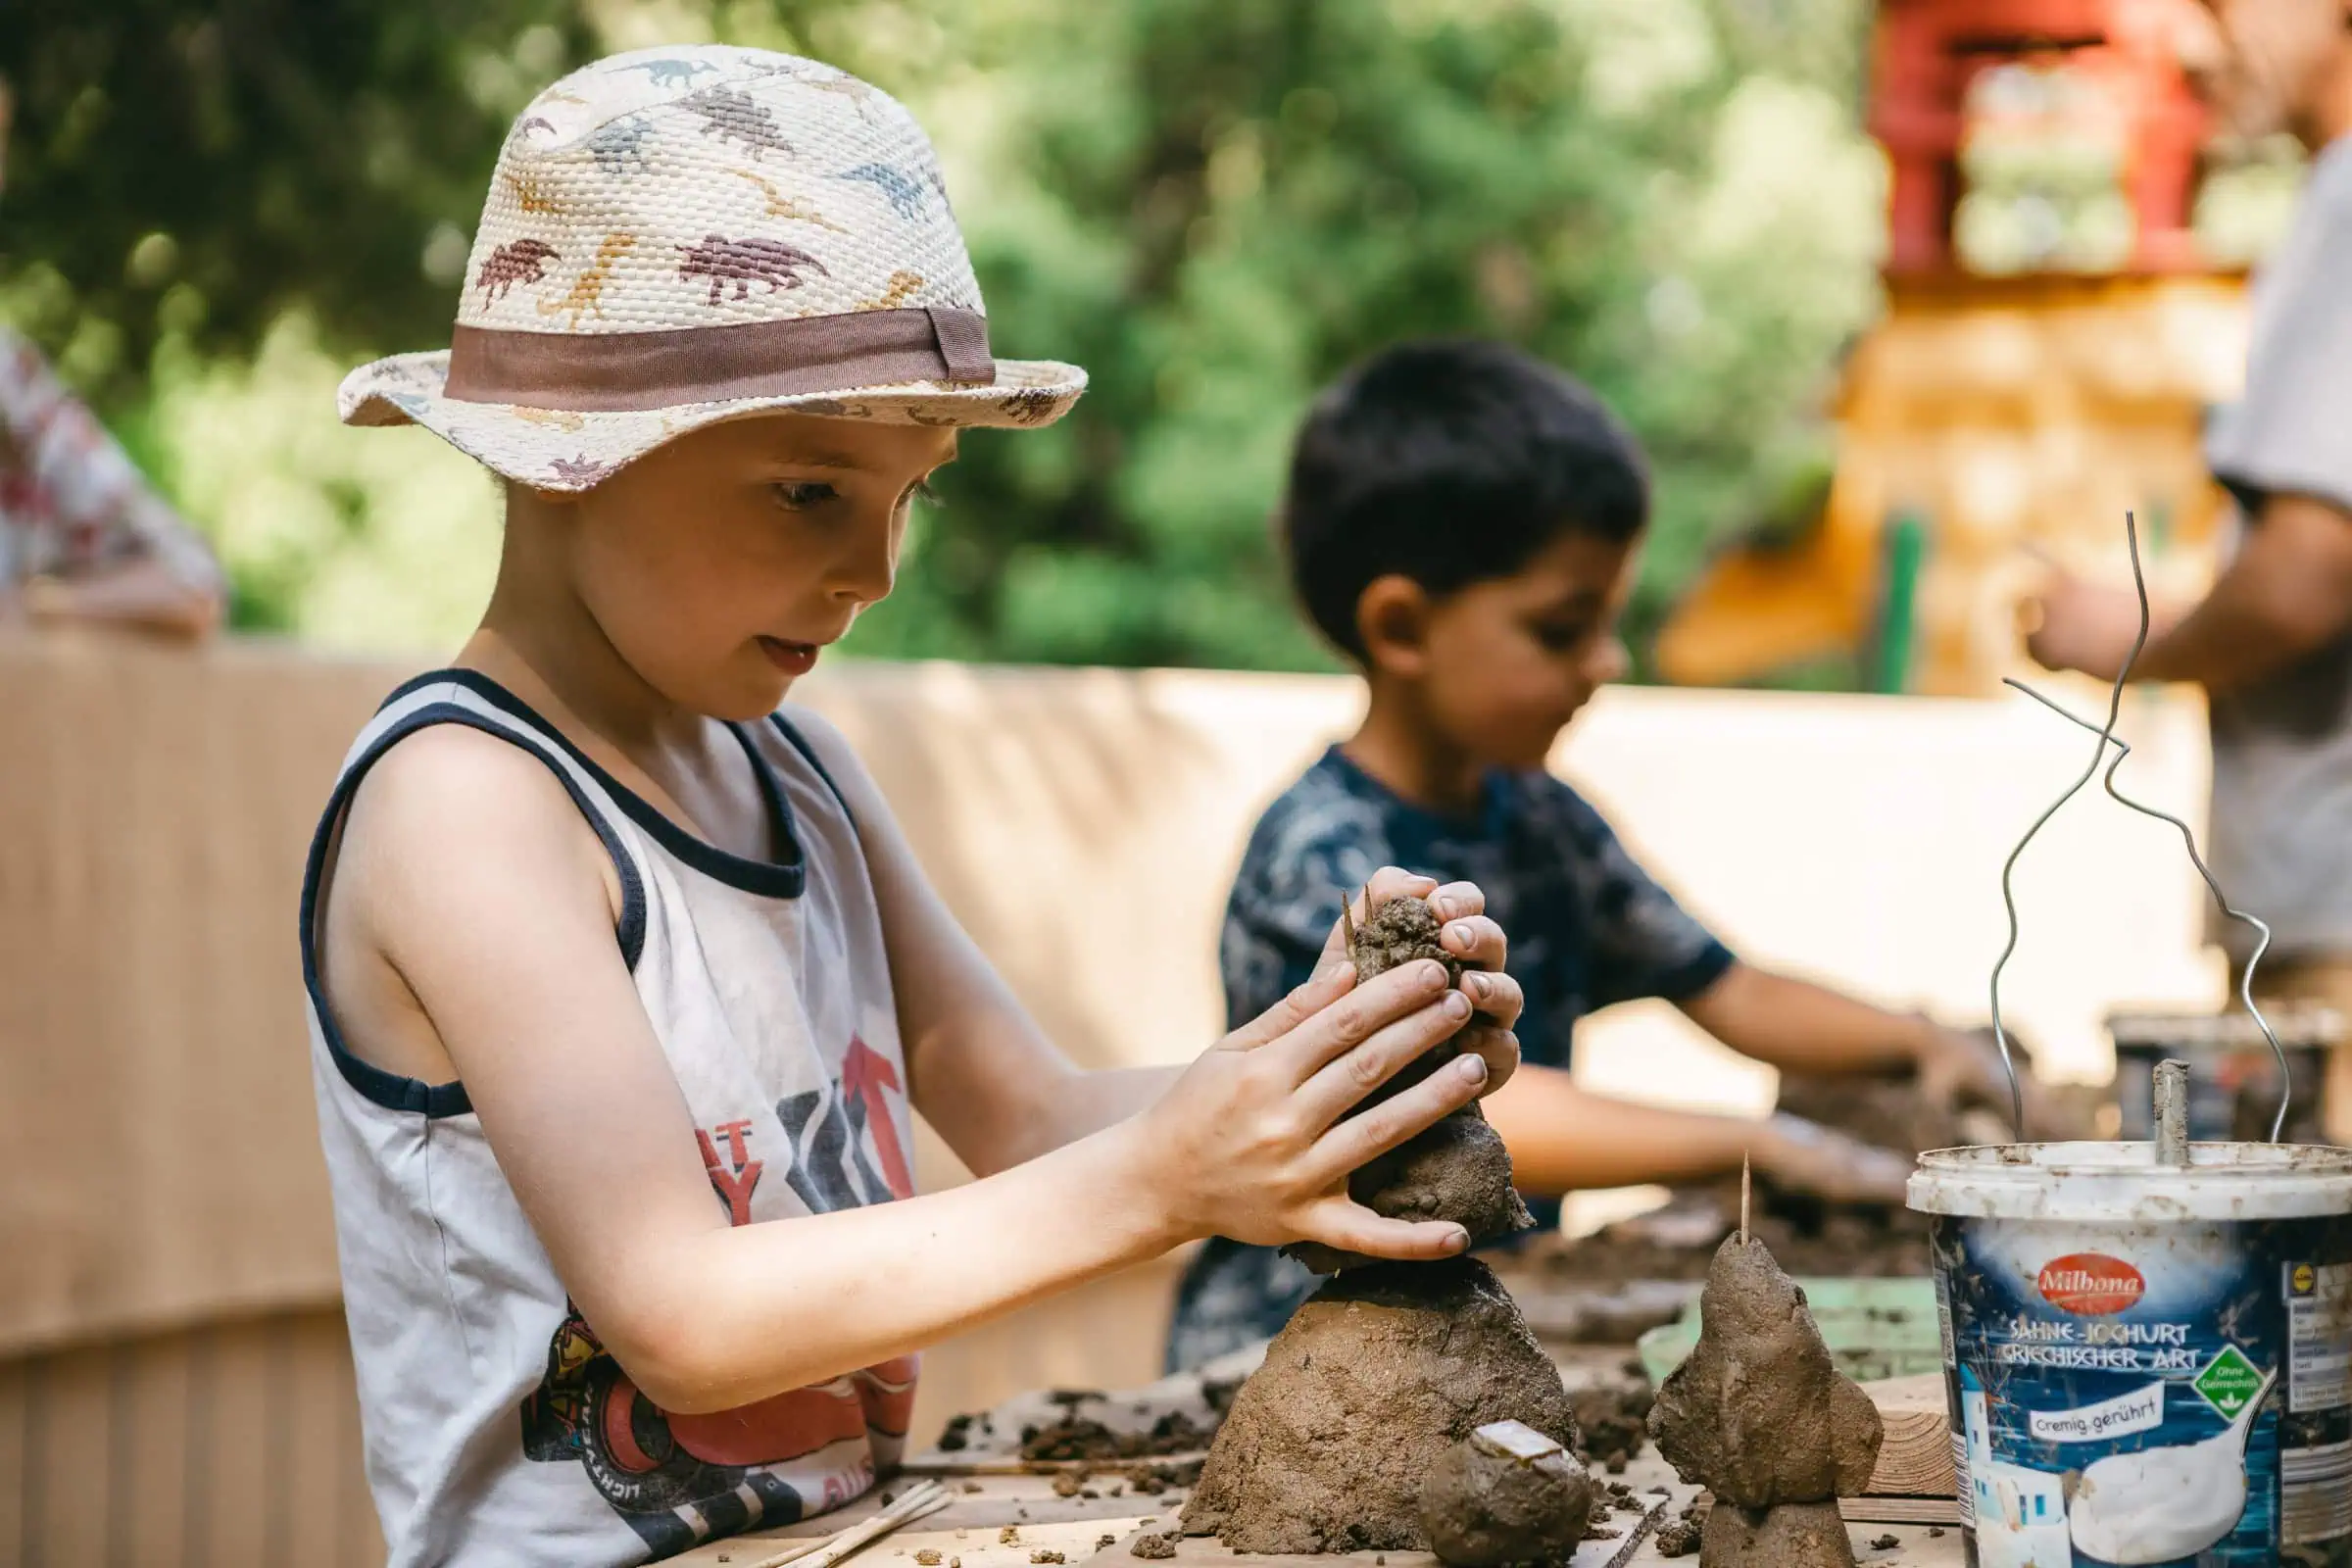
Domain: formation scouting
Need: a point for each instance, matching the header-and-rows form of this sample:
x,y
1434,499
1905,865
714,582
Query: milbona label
x,y
2177,1394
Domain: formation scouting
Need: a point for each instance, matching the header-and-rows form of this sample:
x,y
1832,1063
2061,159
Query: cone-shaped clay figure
x,y
1377,1376
1761,1417
1389,1365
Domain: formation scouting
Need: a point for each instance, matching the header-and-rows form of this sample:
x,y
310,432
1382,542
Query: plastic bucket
x,y
2234,1088
2146,1363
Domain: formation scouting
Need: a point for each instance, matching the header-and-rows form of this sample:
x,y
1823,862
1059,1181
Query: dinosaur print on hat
x,y
671,73
905,197
739,116
588,289
522,262
745,262
668,192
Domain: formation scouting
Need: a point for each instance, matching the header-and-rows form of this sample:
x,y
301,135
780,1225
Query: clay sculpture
x,y
1457,1169
1376,1377
1389,1365
1506,1494
1761,1417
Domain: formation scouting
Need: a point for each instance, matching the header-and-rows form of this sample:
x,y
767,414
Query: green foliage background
x,y
1213,204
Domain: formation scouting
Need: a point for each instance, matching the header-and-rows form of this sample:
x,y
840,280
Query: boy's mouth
x,y
793,658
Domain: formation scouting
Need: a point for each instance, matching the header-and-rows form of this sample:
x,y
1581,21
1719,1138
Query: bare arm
x,y
1802,1027
2285,594
1799,1026
141,593
983,1073
479,885
1564,1139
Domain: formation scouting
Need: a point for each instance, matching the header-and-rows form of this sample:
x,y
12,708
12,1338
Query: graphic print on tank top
x,y
678,1480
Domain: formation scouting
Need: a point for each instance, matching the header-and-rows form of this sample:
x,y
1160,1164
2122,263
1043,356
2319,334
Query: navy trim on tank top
x,y
391,1090
784,878
800,743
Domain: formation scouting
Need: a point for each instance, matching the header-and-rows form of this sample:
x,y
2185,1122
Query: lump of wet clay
x,y
1758,1413
1506,1494
1399,931
1382,1370
1457,1169
1794,1534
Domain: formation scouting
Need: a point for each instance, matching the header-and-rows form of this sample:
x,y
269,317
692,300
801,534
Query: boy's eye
x,y
800,495
1560,636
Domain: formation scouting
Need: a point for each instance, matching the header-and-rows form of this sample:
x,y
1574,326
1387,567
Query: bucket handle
x,y
2188,839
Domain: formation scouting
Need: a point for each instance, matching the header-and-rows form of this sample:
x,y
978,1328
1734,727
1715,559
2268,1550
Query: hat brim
x,y
567,449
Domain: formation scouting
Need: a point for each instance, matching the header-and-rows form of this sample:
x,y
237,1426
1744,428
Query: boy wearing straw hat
x,y
622,981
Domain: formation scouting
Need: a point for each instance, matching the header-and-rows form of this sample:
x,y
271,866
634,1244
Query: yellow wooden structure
x,y
2001,422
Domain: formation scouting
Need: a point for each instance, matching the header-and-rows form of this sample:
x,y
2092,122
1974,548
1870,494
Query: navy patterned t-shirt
x,y
1588,928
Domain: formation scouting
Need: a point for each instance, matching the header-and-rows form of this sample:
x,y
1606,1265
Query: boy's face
x,y
2275,64
720,564
1502,665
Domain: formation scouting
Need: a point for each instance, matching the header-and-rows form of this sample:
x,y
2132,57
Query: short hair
x,y
1451,462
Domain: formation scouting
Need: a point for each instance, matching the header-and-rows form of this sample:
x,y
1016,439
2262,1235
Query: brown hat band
x,y
613,372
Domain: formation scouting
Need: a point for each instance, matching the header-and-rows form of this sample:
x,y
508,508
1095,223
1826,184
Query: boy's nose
x,y
1610,661
866,569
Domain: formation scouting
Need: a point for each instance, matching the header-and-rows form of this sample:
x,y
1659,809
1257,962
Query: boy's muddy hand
x,y
1470,935
1254,1141
1804,1156
1962,1069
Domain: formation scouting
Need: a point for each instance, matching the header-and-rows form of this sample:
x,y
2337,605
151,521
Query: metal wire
x,y
2189,840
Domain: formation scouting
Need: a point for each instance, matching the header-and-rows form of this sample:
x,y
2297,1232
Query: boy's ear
x,y
1391,621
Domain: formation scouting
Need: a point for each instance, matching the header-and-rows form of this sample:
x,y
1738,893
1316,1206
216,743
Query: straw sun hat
x,y
680,236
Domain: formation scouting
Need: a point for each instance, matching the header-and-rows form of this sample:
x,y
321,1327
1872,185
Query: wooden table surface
x,y
1004,1521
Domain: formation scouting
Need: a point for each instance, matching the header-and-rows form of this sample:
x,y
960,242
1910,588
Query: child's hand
x,y
1961,1069
1804,1156
1473,938
1254,1141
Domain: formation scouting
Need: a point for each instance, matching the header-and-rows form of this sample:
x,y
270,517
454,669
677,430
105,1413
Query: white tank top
x,y
497,1430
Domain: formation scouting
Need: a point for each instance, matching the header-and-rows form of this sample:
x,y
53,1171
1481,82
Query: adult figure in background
x,y
82,537
2272,640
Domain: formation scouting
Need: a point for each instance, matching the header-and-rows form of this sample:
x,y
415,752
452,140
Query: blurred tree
x,y
193,168
1215,208
1212,205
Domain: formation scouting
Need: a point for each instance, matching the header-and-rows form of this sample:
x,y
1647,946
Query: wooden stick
x,y
1638,1535
1347,918
922,1500
1743,1196
996,1466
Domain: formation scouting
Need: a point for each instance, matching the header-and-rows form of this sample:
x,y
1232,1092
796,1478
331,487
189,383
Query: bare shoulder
x,y
834,751
452,814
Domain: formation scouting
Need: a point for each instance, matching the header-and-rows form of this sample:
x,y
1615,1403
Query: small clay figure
x,y
1382,1370
1457,1169
1794,1534
1389,1365
1505,1494
1760,1416
1758,1413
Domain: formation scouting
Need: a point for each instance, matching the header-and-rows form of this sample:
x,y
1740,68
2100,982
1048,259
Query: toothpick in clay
x,y
1743,1192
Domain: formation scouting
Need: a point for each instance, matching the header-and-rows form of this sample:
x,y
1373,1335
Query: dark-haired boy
x,y
1463,521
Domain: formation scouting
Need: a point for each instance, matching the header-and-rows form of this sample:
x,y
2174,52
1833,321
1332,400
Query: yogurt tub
x,y
2146,1363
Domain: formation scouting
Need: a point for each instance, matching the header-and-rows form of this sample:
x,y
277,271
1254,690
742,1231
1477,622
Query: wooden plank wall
x,y
236,1444
231,1445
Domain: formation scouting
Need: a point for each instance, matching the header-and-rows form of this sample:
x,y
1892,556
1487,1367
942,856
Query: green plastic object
x,y
1874,1329
1906,549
